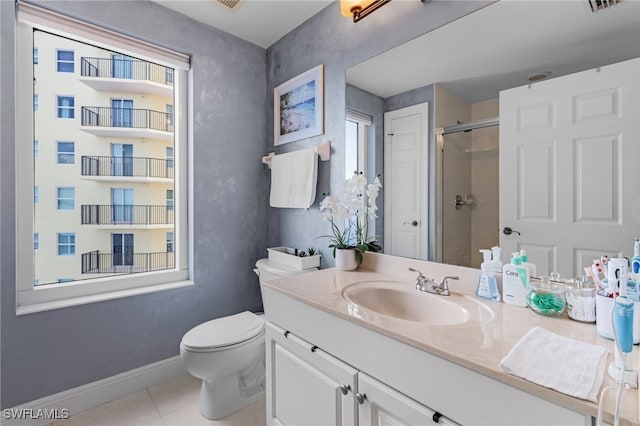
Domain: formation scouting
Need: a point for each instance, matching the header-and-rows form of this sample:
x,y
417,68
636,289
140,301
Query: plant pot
x,y
346,260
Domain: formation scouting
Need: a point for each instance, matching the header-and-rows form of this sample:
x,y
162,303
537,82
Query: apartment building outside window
x,y
66,107
130,137
65,61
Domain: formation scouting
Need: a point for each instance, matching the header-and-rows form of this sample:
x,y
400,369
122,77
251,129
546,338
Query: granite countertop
x,y
478,344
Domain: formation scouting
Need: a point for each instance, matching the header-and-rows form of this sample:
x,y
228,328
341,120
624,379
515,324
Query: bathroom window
x,y
160,258
357,125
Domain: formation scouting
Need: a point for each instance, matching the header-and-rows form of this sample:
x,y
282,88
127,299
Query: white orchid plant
x,y
349,218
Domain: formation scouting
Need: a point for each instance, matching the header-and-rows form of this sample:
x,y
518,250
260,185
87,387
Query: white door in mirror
x,y
405,181
570,143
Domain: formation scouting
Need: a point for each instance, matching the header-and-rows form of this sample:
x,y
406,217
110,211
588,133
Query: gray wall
x,y
329,38
52,351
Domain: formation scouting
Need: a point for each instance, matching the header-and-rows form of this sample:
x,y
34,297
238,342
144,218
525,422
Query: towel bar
x,y
323,149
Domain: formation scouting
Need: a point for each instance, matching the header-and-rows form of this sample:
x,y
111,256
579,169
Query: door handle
x,y
509,231
412,223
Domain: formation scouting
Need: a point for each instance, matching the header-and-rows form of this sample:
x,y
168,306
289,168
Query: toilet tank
x,y
268,270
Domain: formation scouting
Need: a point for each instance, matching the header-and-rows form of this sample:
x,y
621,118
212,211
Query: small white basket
x,y
286,256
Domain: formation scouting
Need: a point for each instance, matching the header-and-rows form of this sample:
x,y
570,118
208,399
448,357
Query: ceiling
x,y
501,45
261,22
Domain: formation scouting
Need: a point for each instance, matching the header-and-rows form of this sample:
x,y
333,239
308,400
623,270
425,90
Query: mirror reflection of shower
x,y
467,171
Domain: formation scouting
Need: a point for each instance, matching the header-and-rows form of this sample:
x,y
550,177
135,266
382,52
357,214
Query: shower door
x,y
469,200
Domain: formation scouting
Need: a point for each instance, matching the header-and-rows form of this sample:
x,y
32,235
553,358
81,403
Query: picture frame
x,y
298,107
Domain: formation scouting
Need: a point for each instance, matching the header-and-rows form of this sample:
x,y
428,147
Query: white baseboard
x,y
93,394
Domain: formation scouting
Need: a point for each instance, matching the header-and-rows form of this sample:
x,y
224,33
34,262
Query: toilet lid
x,y
224,331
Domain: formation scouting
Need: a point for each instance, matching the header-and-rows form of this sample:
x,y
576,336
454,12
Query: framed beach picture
x,y
298,107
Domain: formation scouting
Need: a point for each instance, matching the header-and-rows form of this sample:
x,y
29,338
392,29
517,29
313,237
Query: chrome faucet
x,y
428,285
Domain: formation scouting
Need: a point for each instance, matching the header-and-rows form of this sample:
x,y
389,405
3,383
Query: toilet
x,y
227,354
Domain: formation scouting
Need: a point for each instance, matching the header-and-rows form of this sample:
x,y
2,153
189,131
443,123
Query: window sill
x,y
83,300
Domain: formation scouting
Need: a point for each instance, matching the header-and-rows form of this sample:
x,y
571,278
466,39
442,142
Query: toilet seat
x,y
224,333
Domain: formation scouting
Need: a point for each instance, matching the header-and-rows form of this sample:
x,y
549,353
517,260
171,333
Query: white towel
x,y
557,362
293,179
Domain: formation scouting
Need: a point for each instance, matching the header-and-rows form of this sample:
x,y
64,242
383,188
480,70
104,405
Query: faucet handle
x,y
448,277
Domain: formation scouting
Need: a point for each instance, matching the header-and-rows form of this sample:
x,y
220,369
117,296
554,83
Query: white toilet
x,y
228,355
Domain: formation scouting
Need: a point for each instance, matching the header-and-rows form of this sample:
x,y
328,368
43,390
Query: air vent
x,y
230,5
597,5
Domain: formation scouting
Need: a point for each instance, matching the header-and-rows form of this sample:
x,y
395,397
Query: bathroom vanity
x,y
356,348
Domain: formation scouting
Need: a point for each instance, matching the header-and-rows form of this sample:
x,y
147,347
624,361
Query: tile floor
x,y
173,403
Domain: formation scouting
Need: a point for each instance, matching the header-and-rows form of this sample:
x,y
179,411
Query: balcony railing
x,y
127,117
94,262
127,167
114,214
127,69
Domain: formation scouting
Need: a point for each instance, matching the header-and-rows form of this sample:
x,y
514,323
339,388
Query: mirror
x,y
501,46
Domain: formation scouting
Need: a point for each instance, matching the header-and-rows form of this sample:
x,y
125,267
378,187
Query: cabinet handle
x,y
314,348
345,389
360,397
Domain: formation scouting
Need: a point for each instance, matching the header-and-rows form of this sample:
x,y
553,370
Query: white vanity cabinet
x,y
381,405
307,386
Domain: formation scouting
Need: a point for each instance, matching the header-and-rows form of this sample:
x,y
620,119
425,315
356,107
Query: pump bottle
x,y
487,284
496,262
515,282
524,259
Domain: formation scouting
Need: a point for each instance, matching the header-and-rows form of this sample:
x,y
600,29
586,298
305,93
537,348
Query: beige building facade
x,y
104,172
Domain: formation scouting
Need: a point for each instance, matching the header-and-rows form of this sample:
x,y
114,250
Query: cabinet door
x,y
306,386
380,405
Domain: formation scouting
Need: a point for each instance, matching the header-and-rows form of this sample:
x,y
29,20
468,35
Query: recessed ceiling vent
x,y
597,5
230,5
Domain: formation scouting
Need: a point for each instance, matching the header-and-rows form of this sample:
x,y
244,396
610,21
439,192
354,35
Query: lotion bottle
x,y
515,282
635,260
524,259
487,284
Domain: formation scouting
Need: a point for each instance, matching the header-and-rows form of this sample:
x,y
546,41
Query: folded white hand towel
x,y
557,362
293,179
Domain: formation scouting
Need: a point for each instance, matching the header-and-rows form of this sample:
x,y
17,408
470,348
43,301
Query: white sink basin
x,y
404,302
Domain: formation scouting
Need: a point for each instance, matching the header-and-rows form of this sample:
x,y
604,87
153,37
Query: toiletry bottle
x,y
496,263
487,284
635,260
524,259
515,282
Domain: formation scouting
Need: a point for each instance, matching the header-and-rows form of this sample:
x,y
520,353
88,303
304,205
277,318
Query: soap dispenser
x,y
524,259
487,284
515,282
496,263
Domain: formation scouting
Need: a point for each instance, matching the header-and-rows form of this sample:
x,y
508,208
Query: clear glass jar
x,y
546,298
581,303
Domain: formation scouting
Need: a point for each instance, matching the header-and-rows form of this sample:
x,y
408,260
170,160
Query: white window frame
x,y
31,298
58,244
363,121
60,108
72,154
59,61
59,198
